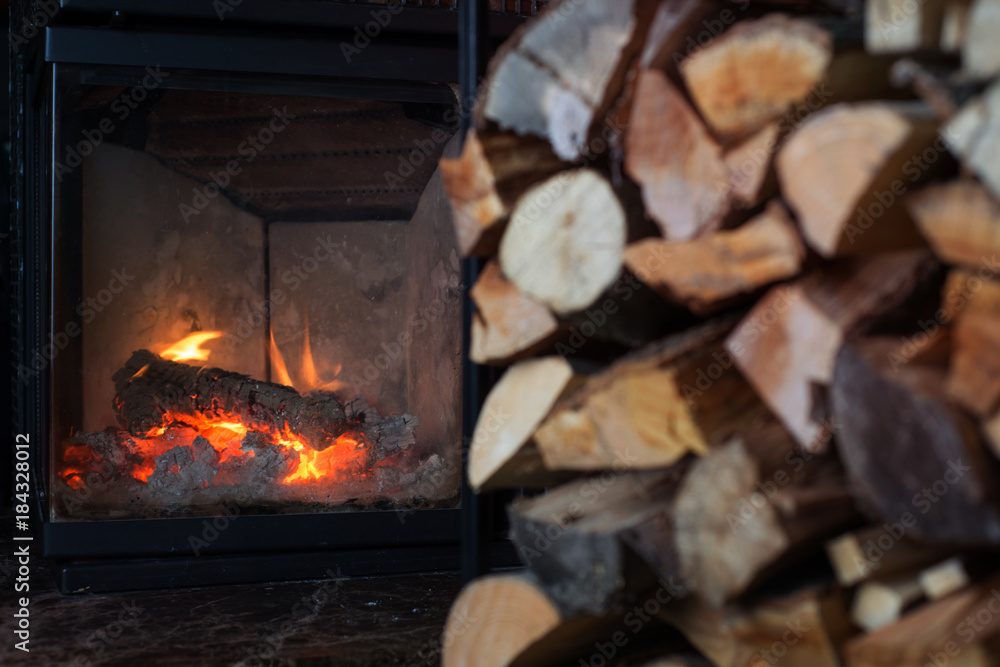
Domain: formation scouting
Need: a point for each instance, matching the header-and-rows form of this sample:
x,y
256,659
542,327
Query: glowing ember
x,y
189,348
226,436
230,438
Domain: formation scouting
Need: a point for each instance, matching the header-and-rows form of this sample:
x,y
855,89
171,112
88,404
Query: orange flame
x,y
310,380
189,348
226,433
308,367
280,369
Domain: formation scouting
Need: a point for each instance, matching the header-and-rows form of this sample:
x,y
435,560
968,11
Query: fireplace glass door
x,y
255,297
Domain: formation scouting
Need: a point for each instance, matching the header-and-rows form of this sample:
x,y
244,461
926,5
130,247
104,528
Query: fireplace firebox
x,y
240,306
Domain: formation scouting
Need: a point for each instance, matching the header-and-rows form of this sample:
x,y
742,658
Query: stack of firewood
x,y
743,263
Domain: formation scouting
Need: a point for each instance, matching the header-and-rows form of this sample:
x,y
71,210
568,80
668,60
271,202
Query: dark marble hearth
x,y
361,622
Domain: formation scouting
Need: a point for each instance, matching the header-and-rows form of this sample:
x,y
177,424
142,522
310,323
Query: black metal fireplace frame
x,y
423,45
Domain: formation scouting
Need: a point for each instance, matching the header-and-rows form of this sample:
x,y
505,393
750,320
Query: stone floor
x,y
395,620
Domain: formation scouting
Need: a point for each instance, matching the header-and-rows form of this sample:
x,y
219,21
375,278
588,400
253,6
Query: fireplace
x,y
263,313
241,316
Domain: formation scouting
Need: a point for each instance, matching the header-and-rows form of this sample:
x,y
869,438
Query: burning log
x,y
148,387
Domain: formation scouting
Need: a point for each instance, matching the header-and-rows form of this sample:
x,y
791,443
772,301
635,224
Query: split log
x,y
508,325
952,575
802,628
476,206
565,241
500,619
880,602
960,221
842,172
954,25
980,51
679,166
752,178
991,429
972,134
711,272
893,26
501,454
559,74
946,493
668,40
935,634
749,508
651,408
786,345
487,179
755,71
671,36
149,388
878,550
974,373
573,539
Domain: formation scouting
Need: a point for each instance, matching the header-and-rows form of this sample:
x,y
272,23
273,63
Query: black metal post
x,y
477,511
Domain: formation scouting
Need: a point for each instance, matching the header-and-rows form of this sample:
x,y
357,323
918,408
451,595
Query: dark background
x,y
6,358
